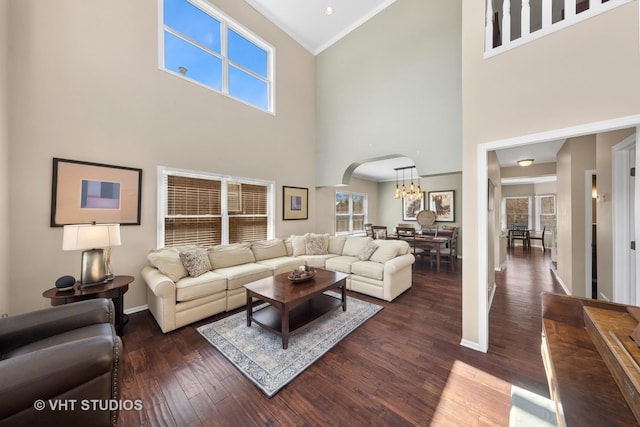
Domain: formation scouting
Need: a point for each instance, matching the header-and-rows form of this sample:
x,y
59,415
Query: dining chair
x,y
540,237
367,230
448,255
379,231
408,234
520,232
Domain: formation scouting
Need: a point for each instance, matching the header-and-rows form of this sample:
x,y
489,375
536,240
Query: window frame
x,y
351,214
226,24
224,208
538,209
504,210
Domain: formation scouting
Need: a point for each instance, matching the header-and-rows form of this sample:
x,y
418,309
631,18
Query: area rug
x,y
531,410
258,353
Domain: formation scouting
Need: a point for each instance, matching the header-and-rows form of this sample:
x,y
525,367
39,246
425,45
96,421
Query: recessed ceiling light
x,y
328,10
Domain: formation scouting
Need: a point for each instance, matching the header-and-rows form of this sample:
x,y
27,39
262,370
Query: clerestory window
x,y
201,44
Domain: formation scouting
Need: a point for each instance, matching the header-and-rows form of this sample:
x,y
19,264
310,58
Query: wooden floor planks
x,y
403,367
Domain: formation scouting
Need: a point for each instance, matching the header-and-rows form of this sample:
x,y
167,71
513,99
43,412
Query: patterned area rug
x,y
259,355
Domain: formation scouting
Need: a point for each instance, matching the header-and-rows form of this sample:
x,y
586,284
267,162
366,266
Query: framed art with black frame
x,y
295,203
410,208
84,192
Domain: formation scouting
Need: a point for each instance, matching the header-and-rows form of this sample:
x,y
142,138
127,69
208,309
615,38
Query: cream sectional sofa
x,y
191,283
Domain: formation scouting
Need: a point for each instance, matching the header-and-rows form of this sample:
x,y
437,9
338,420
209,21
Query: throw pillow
x,y
385,252
298,244
167,261
367,251
196,261
336,244
315,244
268,249
222,256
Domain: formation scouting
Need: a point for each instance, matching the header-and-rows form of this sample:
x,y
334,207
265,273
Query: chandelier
x,y
413,192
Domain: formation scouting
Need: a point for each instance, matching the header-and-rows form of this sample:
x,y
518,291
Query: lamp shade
x,y
90,236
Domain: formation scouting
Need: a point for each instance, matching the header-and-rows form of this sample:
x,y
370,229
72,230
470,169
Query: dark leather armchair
x,y
68,354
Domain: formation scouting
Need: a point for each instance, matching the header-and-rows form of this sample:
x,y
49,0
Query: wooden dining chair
x,y
520,232
448,255
367,230
379,231
408,234
540,237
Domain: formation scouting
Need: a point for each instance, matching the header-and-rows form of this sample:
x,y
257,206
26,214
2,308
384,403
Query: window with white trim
x,y
546,212
201,44
516,210
207,209
351,212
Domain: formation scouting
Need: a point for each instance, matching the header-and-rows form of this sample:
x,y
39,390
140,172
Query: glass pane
x,y
192,22
342,224
192,62
358,204
517,211
246,54
189,231
358,223
248,88
247,229
342,203
547,205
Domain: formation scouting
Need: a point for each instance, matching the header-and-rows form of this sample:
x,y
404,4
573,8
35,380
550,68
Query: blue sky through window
x,y
195,51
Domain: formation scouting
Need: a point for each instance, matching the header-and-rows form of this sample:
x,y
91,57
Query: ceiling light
x,y
411,193
525,162
328,10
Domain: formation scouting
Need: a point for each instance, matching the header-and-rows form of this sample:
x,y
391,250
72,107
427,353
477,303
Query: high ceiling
x,y
309,24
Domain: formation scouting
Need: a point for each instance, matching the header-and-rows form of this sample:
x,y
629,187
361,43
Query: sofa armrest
x,y
57,370
158,283
16,331
398,263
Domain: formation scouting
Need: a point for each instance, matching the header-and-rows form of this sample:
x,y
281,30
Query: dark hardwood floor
x,y
403,367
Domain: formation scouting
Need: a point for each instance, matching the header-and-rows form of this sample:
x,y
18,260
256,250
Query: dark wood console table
x,y
114,290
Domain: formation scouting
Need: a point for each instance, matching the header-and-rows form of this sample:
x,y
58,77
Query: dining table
x,y
428,242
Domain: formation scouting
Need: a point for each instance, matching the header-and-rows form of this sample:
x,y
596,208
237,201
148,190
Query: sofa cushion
x,y
196,261
222,256
298,244
367,251
316,244
370,269
239,275
387,250
354,245
341,264
317,261
282,264
267,249
336,244
190,288
167,261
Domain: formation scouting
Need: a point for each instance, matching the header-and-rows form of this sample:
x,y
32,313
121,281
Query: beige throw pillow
x,y
167,261
268,249
299,245
196,261
229,255
384,253
367,251
316,244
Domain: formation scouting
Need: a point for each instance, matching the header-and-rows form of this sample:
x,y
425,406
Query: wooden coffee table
x,y
294,306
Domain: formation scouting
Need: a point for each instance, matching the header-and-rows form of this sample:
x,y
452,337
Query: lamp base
x,y
88,285
92,270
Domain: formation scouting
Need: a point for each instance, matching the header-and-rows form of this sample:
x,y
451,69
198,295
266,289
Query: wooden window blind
x,y
211,210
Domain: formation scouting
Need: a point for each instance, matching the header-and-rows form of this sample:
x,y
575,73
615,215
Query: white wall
x,y
392,87
4,159
85,85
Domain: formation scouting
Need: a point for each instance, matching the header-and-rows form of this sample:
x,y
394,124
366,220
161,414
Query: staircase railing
x,y
512,23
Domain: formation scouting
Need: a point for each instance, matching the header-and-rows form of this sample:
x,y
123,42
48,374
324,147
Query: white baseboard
x,y
472,345
557,277
136,309
492,292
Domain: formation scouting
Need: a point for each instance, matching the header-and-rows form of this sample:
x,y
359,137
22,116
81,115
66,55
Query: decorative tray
x,y
297,276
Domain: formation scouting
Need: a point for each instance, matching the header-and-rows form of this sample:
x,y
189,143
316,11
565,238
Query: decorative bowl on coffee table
x,y
299,275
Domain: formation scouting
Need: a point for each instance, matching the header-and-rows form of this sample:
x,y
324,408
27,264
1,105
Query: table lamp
x,y
91,239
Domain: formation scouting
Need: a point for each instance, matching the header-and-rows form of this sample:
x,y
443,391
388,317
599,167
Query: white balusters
x,y
506,22
547,12
525,18
569,9
488,36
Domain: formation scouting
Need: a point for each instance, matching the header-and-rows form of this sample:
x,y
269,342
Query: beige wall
x,y
576,156
604,182
85,85
4,159
536,169
392,87
562,80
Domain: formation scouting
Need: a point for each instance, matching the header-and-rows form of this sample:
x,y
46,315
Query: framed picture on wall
x,y
295,203
84,192
442,203
410,208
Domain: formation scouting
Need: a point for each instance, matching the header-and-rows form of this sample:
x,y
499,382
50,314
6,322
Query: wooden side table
x,y
113,290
